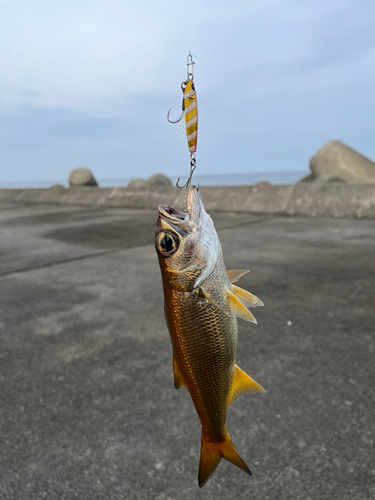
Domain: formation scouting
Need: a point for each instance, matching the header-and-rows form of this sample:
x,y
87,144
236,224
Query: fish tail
x,y
211,454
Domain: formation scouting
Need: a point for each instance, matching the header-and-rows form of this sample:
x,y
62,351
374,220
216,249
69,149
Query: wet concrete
x,y
88,407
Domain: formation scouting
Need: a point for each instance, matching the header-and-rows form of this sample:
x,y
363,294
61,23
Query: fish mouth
x,y
192,212
171,214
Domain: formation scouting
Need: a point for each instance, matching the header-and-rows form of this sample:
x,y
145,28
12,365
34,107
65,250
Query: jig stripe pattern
x,y
191,115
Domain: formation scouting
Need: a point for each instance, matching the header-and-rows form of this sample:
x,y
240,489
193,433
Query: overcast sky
x,y
89,82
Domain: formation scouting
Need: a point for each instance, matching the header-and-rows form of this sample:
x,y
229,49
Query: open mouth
x,y
172,214
193,209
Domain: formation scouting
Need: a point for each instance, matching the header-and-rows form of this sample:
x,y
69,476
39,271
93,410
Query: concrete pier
x,y
306,199
88,407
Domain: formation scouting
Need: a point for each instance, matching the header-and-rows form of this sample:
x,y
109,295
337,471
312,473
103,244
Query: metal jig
x,y
190,110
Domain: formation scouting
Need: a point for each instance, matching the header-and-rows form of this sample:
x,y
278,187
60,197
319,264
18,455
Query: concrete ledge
x,y
309,200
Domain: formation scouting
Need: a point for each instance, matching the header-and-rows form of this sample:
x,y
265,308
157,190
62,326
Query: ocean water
x,y
239,179
242,179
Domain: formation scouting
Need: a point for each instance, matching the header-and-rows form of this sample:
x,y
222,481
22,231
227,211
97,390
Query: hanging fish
x,y
201,307
190,111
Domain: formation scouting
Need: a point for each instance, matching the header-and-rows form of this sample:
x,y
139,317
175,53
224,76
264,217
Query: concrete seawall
x,y
309,200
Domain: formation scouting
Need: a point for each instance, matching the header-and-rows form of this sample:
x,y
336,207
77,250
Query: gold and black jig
x,y
190,110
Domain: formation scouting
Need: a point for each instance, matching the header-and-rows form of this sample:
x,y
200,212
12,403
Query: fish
x,y
202,305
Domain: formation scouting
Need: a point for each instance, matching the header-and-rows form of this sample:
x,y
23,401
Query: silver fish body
x,y
201,309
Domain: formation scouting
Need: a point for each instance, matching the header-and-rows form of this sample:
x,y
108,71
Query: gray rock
x,y
339,160
137,183
308,178
82,176
159,180
328,178
263,184
58,187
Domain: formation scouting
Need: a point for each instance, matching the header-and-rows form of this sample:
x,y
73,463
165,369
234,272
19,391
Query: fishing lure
x,y
190,111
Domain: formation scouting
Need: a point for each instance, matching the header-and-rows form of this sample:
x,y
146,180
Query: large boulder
x,y
328,178
137,183
336,159
320,180
307,178
159,180
82,176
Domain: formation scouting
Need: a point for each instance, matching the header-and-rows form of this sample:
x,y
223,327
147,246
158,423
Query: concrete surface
x,y
88,407
337,200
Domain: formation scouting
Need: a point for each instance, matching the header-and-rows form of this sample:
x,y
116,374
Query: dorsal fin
x,y
178,378
235,274
239,309
247,298
242,383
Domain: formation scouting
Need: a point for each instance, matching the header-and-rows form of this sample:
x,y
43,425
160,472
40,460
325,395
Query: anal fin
x,y
178,378
242,383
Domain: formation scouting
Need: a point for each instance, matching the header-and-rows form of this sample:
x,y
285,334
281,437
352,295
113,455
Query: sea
x,y
236,179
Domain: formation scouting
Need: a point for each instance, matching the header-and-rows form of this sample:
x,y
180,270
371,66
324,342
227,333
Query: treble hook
x,y
192,168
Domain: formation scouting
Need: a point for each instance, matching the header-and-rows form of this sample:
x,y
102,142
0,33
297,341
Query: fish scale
x,y
205,357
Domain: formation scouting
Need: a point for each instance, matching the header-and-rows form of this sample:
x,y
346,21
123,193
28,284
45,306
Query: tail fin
x,y
211,454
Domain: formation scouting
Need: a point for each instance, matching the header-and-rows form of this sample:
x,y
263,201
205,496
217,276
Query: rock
x,y
263,184
328,178
137,183
82,176
339,160
308,178
159,180
57,187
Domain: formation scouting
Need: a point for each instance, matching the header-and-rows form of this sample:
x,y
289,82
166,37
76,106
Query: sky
x,y
89,83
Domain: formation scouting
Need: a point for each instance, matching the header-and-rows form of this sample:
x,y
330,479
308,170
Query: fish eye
x,y
168,244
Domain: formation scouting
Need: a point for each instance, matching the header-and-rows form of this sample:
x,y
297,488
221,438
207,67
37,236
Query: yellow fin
x,y
235,274
211,454
247,298
178,378
242,383
239,309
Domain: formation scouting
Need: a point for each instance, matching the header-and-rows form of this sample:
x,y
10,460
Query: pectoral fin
x,y
207,296
247,298
239,309
235,274
242,383
178,378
